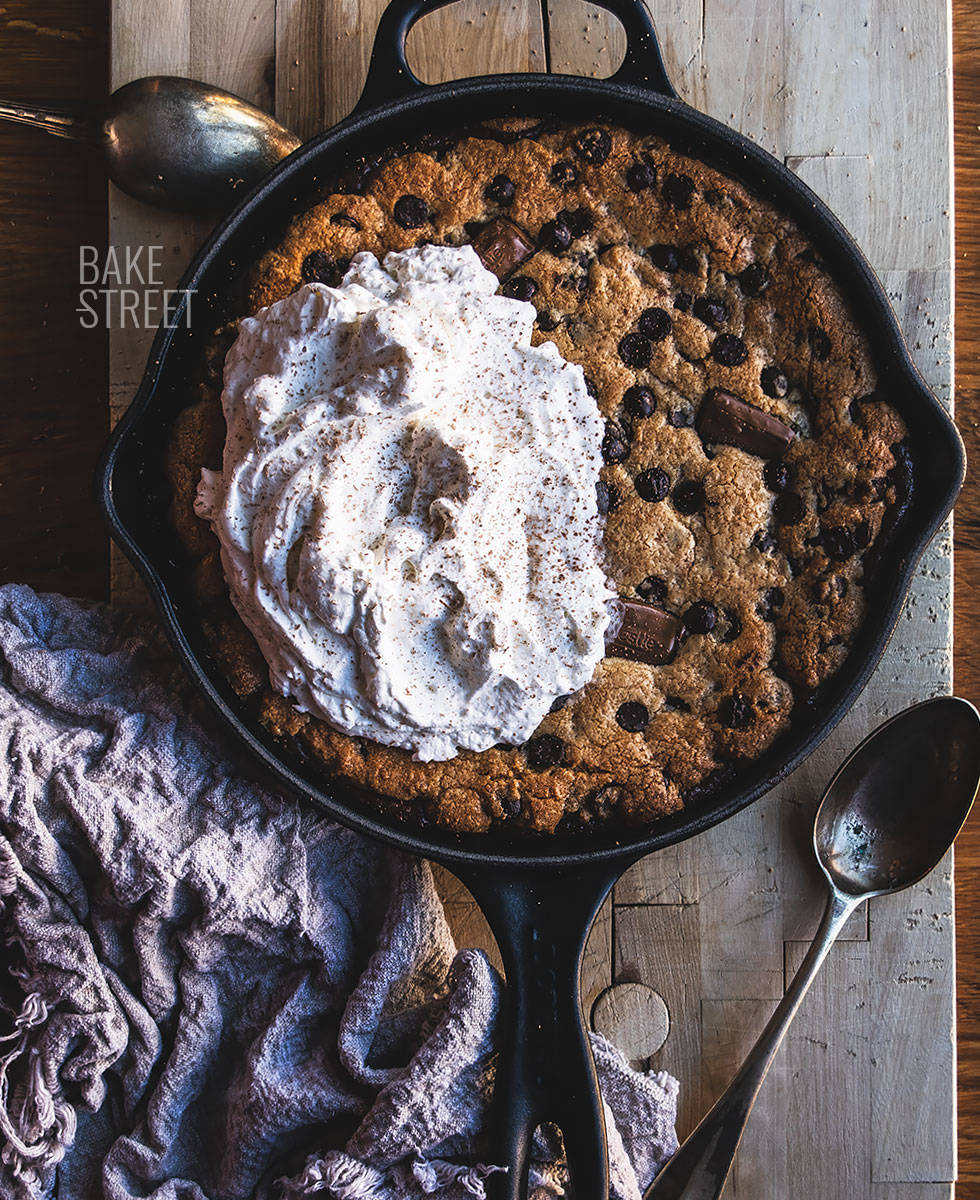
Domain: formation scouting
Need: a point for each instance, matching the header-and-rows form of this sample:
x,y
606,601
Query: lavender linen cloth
x,y
217,993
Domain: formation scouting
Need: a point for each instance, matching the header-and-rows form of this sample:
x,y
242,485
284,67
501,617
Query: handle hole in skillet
x,y
476,37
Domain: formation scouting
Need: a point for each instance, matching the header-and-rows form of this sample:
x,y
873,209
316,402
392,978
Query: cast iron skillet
x,y
540,896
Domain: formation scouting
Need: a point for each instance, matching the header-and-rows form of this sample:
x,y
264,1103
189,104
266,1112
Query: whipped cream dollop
x,y
407,506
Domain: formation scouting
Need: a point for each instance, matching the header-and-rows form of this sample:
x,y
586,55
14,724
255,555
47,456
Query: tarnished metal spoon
x,y
886,819
172,142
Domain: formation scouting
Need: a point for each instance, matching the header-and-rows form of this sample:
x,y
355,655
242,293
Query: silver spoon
x,y
886,819
175,143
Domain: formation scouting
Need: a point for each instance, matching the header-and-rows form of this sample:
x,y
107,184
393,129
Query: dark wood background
x,y
53,385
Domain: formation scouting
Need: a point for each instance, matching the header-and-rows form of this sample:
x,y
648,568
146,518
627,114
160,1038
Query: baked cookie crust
x,y
669,283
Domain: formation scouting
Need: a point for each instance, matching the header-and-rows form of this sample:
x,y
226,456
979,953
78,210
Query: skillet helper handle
x,y
389,76
541,920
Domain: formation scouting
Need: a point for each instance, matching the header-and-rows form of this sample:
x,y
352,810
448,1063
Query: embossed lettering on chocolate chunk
x,y
645,634
726,418
502,246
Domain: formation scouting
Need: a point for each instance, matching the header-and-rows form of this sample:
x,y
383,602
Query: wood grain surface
x,y
56,418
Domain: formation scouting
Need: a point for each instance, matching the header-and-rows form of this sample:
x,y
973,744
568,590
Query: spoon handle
x,y
51,120
700,1167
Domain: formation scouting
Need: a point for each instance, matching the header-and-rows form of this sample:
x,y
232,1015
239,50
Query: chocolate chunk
x,y
682,301
753,281
606,497
502,246
544,751
689,497
734,626
727,419
639,401
579,220
342,218
321,267
736,712
546,322
774,382
678,190
500,190
615,447
632,716
652,485
411,212
729,350
712,312
635,350
665,257
646,634
680,418
776,476
520,287
701,617
640,176
653,589
564,173
555,236
655,323
788,508
593,145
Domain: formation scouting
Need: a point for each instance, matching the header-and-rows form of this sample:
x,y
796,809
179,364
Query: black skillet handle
x,y
541,919
389,76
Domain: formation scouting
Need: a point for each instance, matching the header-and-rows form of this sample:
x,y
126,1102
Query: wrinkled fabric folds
x,y
215,993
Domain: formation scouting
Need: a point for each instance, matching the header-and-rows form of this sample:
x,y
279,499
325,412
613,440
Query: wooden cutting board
x,y
687,962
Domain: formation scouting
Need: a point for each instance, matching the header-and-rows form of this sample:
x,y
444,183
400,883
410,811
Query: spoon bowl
x,y
890,813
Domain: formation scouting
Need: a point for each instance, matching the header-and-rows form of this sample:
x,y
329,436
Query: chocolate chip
x,y
774,382
640,176
701,617
665,257
511,805
733,627
646,634
579,220
546,322
564,173
690,261
655,323
575,283
615,447
764,542
819,344
501,246
635,350
682,301
727,419
678,190
593,146
735,711
688,497
788,509
342,218
652,485
559,702
606,497
632,716
520,287
555,236
411,212
639,402
772,599
776,476
711,312
653,589
680,418
320,267
753,281
677,704
544,751
500,190
840,542
729,350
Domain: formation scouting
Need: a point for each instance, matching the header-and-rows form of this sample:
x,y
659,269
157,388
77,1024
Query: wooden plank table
x,y
715,925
